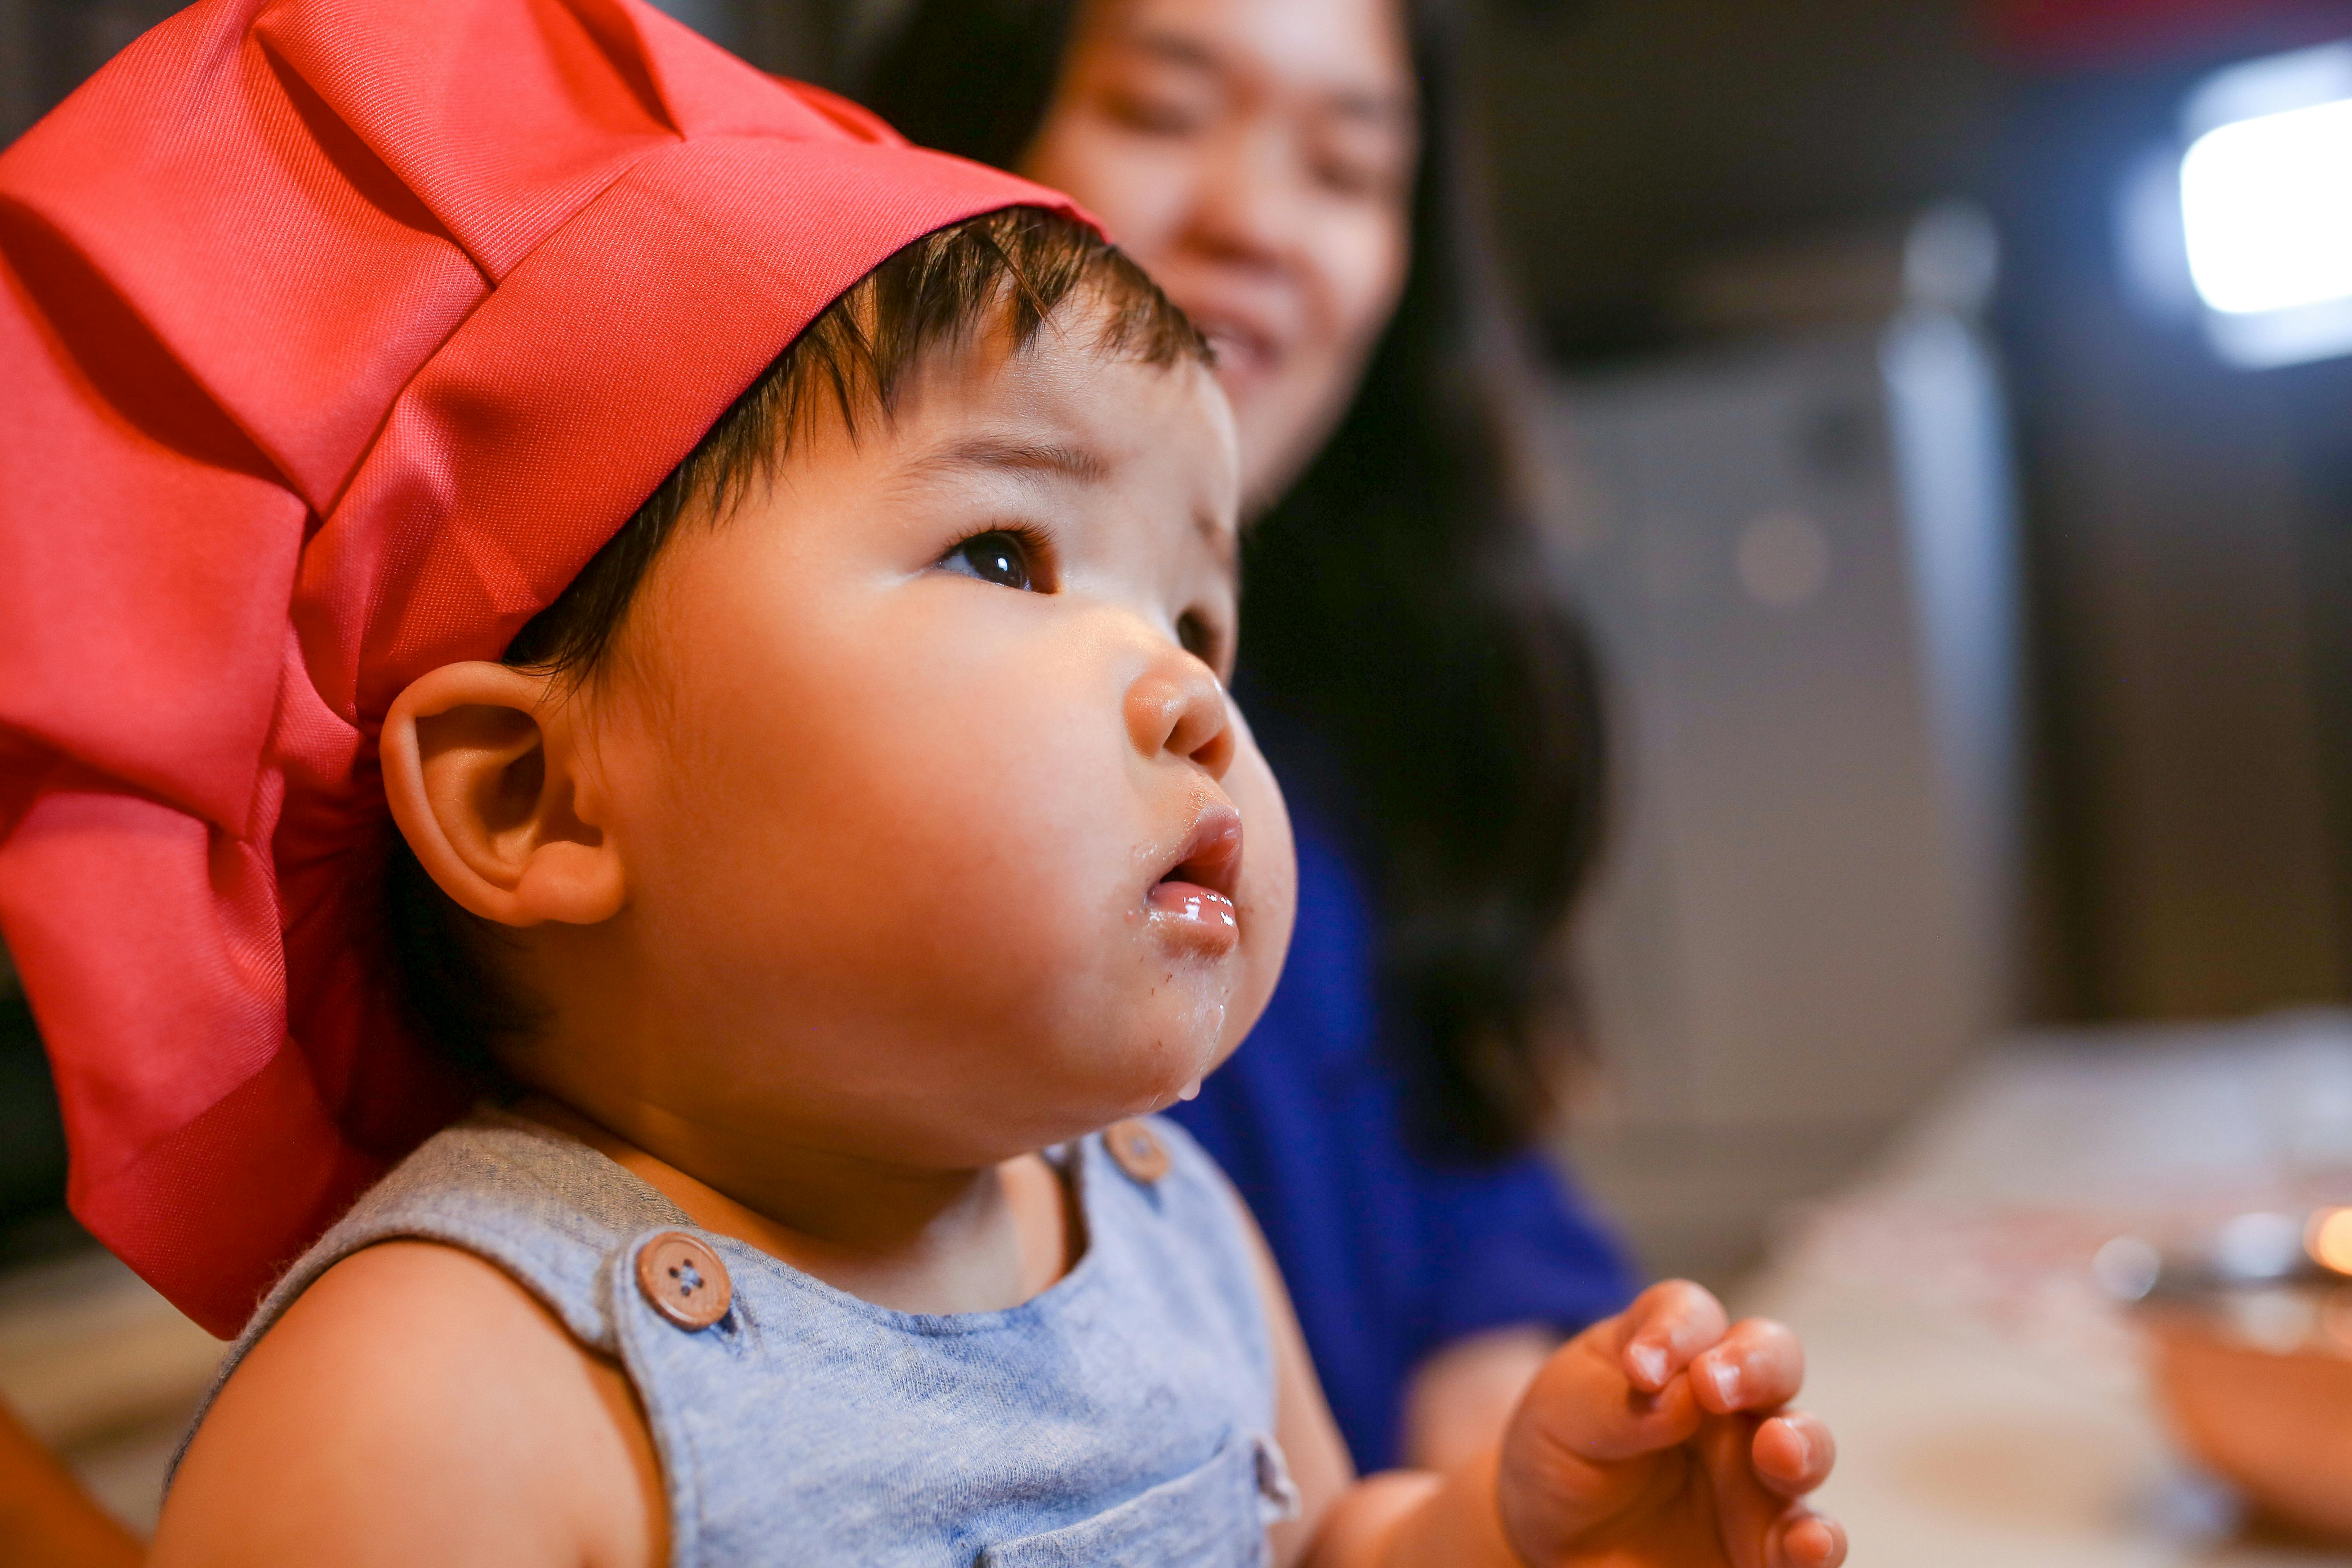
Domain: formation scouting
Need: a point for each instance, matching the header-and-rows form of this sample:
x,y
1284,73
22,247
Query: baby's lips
x,y
1193,899
1190,901
1212,855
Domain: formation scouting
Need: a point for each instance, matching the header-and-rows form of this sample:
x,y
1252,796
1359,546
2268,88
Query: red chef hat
x,y
335,336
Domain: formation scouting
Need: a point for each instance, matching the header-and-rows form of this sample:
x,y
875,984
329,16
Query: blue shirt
x,y
1387,1257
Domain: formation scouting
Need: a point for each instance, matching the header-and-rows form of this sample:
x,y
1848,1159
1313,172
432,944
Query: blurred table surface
x,y
104,1371
1989,1405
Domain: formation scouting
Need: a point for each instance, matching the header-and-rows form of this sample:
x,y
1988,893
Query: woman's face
x,y
1258,157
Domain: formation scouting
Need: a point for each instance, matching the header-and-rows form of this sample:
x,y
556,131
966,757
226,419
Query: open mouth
x,y
1198,891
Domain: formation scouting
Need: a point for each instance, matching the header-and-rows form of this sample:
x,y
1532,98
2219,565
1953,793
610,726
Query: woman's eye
x,y
1153,115
1362,161
1354,178
998,558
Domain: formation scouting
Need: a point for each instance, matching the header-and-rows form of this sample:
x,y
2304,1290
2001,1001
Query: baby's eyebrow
x,y
999,454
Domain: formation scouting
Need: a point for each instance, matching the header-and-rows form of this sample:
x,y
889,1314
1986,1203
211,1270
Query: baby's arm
x,y
1656,1437
418,1406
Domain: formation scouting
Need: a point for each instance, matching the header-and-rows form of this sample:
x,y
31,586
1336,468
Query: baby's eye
x,y
998,558
1202,638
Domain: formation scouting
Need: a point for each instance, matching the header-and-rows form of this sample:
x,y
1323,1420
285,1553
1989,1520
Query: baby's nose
x,y
1176,705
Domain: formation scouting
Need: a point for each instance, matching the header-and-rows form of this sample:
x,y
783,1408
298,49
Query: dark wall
x,y
2193,608
48,47
32,1142
1633,137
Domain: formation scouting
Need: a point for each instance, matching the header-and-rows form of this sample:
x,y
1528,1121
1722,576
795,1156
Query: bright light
x,y
2268,206
2329,1240
2251,228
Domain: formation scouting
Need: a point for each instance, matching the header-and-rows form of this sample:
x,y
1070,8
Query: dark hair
x,y
1395,604
1011,270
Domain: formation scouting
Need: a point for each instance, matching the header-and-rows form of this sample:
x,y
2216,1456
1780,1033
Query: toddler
x,y
550,572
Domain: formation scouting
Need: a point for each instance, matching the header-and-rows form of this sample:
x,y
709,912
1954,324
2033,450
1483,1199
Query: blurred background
x,y
1960,485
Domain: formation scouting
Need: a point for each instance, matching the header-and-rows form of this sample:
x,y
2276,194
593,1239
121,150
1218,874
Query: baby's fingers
x,y
1757,1365
1808,1541
1792,1453
1756,1471
1666,1326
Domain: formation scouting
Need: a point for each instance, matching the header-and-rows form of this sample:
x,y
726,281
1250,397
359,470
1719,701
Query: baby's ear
x,y
482,768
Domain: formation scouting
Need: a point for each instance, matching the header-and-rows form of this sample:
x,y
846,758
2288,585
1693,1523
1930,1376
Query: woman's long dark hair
x,y
1395,603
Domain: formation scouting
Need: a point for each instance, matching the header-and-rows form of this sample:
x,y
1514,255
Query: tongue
x,y
1190,901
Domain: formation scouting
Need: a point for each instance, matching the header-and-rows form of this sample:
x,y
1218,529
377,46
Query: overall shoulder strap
x,y
547,1209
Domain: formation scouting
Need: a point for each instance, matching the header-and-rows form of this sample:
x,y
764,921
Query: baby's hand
x,y
1659,1438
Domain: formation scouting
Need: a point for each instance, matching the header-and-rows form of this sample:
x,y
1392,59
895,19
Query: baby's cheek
x,y
1268,904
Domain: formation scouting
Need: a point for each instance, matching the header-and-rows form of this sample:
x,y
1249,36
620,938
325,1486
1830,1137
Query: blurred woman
x,y
1292,172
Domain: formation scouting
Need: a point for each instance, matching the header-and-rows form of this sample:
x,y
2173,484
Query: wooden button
x,y
1138,1151
684,1279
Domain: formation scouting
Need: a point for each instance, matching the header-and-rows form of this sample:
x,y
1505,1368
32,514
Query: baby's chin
x,y
1145,1074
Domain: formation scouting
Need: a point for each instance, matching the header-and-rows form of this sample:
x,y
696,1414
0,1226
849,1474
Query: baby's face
x,y
941,838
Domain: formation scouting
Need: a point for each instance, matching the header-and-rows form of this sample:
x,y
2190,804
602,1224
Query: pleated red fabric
x,y
335,336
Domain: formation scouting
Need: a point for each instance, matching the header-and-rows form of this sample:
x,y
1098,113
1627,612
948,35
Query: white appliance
x,y
1798,556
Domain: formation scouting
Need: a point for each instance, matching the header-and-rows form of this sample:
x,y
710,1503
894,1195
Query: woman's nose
x,y
1177,706
1246,207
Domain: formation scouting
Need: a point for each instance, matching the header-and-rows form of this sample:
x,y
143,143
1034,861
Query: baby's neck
x,y
915,1241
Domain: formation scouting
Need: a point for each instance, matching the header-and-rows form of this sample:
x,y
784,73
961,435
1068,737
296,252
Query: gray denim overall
x,y
1125,1416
